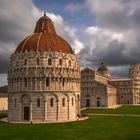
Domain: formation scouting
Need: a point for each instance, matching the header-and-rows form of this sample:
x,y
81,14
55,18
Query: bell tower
x,y
134,73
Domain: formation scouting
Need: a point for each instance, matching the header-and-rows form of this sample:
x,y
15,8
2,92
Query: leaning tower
x,y
134,73
43,78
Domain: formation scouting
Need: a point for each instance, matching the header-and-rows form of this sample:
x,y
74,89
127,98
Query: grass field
x,y
121,110
95,128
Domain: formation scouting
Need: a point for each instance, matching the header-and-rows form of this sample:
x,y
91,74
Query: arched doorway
x,y
26,113
87,102
98,102
128,102
25,107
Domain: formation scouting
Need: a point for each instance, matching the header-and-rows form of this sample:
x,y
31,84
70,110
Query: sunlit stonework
x,y
43,78
99,89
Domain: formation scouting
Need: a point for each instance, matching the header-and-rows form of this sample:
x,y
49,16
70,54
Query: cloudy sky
x,y
98,30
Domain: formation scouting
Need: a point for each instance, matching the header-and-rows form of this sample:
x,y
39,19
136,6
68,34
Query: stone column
x,y
20,111
9,108
31,82
68,109
31,111
45,84
78,105
75,108
45,110
57,110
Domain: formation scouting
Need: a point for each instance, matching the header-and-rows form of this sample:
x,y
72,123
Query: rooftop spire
x,y
44,13
44,24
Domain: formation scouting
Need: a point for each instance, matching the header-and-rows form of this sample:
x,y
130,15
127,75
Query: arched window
x,y
51,102
15,102
25,62
69,63
63,82
47,81
38,102
25,82
49,61
37,61
63,102
60,61
78,96
72,101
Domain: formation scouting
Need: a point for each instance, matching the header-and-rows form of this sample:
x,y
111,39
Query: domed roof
x,y
43,39
102,68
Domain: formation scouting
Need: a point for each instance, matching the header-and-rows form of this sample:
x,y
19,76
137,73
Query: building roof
x,y
43,39
87,69
121,79
104,84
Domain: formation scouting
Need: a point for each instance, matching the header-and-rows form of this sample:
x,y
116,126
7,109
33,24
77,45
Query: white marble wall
x,y
28,75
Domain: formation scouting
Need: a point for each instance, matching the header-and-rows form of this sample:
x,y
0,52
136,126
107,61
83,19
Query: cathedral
x,y
43,78
99,89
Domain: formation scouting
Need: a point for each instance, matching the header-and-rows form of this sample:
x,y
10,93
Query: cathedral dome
x,y
102,68
43,39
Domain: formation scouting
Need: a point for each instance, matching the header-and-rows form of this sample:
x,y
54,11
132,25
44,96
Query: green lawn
x,y
121,110
95,128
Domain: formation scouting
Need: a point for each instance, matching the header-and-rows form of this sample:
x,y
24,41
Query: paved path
x,y
129,115
79,119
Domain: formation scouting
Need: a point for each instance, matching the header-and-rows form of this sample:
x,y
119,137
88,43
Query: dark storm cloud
x,y
120,21
9,30
114,57
117,54
4,64
13,27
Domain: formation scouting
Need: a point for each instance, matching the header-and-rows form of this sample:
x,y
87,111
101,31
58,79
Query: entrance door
x,y
127,101
26,113
87,102
98,103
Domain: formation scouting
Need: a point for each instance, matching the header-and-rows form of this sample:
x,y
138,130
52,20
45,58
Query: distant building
x,y
44,78
98,89
128,88
95,89
3,101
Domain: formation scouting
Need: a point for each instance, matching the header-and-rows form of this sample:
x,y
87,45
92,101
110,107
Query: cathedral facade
x,y
43,78
99,89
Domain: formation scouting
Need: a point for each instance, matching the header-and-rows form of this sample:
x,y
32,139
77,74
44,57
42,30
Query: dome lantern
x,y
44,24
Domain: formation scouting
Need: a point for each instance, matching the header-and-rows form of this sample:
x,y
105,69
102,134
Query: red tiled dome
x,y
43,39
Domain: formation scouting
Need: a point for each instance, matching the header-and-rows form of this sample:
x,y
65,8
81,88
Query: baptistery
x,y
43,78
